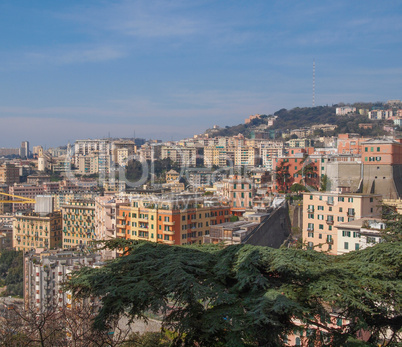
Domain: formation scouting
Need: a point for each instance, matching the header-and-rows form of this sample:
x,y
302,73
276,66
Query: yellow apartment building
x,y
33,230
324,211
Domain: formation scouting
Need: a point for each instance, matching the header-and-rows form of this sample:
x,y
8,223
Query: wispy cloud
x,y
75,54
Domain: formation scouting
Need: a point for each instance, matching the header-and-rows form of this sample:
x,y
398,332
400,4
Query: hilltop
x,y
306,117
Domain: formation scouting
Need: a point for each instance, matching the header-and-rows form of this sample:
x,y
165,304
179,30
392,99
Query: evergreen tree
x,y
247,295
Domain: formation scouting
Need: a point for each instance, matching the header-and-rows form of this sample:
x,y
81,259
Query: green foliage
x,y
11,271
297,187
393,221
324,185
134,169
247,295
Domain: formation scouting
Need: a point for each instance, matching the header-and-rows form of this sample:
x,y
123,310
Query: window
x,y
320,236
356,246
321,226
310,245
320,217
346,233
320,208
340,209
366,149
311,197
356,234
310,216
310,234
346,245
340,219
350,199
378,149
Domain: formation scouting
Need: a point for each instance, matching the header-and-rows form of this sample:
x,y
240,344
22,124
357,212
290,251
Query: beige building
x,y
239,191
324,211
246,156
78,223
359,234
183,156
106,209
33,230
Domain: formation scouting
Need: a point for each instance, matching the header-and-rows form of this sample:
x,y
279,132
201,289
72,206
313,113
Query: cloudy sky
x,y
169,69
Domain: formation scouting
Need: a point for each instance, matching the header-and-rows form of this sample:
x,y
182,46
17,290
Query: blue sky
x,y
171,69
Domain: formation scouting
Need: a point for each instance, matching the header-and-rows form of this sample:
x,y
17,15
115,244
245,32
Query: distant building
x,y
24,150
9,174
78,223
343,111
251,118
46,271
37,230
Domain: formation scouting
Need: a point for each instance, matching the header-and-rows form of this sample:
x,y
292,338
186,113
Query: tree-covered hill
x,y
300,117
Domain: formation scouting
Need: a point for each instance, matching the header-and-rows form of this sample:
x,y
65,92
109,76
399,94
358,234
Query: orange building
x,y
295,168
350,143
172,221
382,152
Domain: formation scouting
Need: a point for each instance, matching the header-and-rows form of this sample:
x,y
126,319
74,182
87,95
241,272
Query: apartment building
x,y
359,234
33,230
44,274
239,192
174,221
324,211
296,168
78,223
246,156
183,156
9,174
106,210
349,143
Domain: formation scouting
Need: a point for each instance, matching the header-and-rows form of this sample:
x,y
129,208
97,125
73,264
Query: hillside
x,y
301,117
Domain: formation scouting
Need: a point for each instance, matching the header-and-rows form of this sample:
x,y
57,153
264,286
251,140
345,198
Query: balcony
x,y
167,232
330,222
143,219
121,217
169,242
310,210
330,202
351,213
119,234
310,229
121,226
169,223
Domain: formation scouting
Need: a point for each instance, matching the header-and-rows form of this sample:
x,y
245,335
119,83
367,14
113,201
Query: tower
x,y
313,82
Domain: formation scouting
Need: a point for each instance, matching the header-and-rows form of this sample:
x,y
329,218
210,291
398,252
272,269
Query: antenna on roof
x,y
313,82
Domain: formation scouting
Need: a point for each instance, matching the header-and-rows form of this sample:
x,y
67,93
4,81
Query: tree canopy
x,y
242,295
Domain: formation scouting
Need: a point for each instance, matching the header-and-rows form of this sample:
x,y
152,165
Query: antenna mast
x,y
313,82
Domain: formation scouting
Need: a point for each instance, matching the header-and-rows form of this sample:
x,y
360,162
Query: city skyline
x,y
171,70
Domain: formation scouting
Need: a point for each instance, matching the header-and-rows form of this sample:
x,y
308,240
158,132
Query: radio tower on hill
x,y
313,82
